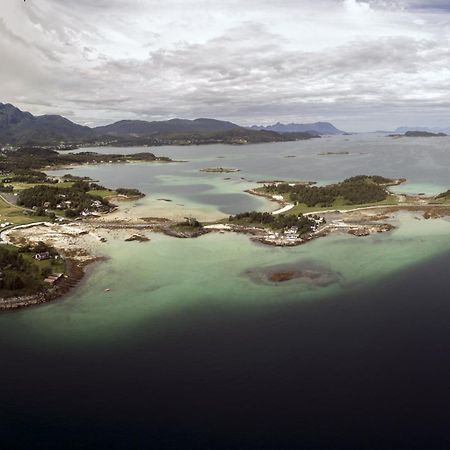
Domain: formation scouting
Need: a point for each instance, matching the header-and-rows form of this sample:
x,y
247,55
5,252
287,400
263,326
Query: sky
x,y
362,65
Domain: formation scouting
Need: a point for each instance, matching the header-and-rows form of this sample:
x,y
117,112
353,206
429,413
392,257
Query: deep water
x,y
366,370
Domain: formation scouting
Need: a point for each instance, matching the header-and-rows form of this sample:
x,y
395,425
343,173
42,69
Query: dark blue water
x,y
366,371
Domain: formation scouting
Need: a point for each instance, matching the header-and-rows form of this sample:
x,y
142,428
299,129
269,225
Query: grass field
x,y
22,186
16,215
56,265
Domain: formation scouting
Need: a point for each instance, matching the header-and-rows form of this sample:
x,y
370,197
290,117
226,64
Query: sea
x,y
185,344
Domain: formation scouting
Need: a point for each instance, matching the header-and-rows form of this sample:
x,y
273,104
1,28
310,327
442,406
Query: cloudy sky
x,y
363,65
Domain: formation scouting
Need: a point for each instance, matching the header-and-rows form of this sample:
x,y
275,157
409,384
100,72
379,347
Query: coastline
x,y
74,273
79,242
73,246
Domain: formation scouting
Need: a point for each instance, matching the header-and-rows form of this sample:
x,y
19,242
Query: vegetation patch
x,y
35,158
444,197
189,224
21,273
127,192
12,215
72,201
275,222
355,191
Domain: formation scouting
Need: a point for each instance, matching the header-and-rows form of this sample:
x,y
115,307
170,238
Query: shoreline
x,y
78,241
73,274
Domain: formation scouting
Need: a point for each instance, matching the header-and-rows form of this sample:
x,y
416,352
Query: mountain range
x,y
20,128
320,128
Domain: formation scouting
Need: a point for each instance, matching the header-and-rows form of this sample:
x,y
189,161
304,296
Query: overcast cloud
x,y
373,64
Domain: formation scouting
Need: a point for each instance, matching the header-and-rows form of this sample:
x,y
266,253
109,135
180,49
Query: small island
x,y
418,134
334,153
219,170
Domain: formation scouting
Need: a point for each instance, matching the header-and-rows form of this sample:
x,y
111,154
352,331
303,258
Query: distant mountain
x,y
18,127
21,128
403,130
321,128
142,128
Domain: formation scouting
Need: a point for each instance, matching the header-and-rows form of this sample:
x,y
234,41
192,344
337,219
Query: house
x,y
291,234
42,256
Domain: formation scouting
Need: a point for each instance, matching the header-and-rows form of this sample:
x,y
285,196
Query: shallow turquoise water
x,y
170,276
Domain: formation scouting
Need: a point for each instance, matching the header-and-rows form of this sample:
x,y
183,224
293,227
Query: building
x,y
42,256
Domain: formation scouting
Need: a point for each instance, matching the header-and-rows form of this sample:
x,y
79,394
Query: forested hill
x,y
320,128
144,128
19,127
23,128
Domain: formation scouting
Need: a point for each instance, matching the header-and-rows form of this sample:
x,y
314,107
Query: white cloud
x,y
249,61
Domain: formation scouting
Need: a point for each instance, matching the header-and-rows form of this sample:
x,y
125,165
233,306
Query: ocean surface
x,y
193,348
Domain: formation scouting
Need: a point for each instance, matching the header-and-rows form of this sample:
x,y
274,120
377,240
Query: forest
x,y
19,273
73,200
356,190
276,222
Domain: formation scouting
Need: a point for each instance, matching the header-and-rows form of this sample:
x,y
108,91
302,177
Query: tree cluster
x,y
129,192
444,194
74,199
190,222
356,190
29,176
16,273
6,188
276,222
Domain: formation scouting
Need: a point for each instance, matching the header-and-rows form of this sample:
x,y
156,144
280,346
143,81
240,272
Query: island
x,y
418,134
219,170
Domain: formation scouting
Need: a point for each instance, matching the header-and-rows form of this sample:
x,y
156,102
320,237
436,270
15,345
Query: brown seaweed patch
x,y
309,273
